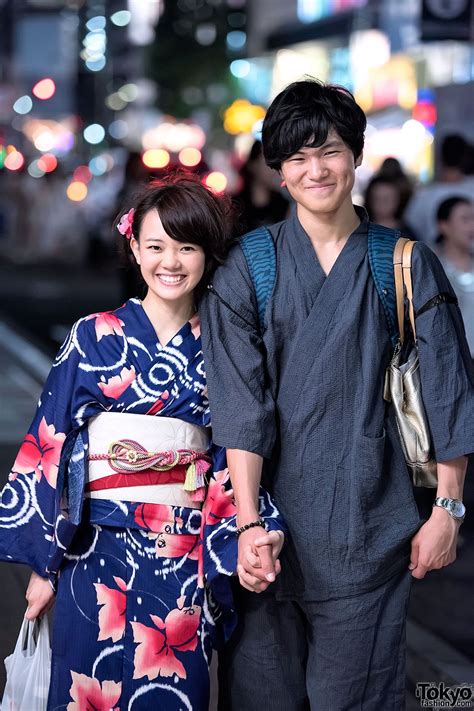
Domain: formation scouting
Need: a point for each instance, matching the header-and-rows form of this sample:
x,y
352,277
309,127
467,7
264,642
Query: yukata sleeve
x,y
242,407
446,370
219,543
29,500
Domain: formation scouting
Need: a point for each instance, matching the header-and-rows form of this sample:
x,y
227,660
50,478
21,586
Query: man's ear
x,y
359,160
134,246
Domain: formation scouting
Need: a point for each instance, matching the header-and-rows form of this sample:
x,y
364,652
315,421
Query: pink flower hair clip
x,y
125,226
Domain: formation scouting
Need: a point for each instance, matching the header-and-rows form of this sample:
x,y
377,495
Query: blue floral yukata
x,y
142,589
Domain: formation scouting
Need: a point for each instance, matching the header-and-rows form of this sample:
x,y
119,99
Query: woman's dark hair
x,y
369,195
445,209
304,113
189,213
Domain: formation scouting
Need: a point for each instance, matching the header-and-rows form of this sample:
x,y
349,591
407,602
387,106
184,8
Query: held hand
x,y
258,563
434,546
40,597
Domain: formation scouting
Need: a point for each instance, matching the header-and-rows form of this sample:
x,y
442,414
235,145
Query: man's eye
x,y
331,153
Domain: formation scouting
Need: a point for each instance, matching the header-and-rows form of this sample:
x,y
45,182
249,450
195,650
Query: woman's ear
x,y
135,247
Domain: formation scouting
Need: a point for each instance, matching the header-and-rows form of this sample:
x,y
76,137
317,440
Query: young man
x,y
302,402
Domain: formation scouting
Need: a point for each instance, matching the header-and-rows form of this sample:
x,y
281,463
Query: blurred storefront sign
x,y
447,19
312,10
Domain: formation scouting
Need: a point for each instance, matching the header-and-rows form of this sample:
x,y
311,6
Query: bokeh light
x,y
14,160
190,157
82,174
47,163
96,65
94,133
156,158
44,89
76,191
128,92
121,18
240,68
236,40
98,165
35,170
216,181
23,105
96,23
118,129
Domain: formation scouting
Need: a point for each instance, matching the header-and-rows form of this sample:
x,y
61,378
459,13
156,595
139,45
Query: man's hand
x,y
258,563
434,546
40,597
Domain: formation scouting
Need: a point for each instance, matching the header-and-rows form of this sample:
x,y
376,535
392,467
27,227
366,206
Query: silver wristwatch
x,y
454,507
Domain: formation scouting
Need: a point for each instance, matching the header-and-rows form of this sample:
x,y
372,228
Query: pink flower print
x,y
112,614
177,545
154,517
155,653
107,324
41,455
89,694
219,503
116,385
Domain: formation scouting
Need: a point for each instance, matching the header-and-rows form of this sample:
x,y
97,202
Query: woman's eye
x,y
187,248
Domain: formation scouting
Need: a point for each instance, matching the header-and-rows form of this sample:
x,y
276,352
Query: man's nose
x,y
316,168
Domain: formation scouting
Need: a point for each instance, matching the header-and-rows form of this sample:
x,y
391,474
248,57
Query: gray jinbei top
x,y
308,397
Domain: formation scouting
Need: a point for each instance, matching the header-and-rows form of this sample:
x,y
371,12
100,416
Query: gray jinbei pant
x,y
343,654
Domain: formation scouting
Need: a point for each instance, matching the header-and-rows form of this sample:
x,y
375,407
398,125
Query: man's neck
x,y
329,227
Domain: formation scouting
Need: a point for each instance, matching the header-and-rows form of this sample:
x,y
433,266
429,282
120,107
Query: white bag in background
x,y
29,668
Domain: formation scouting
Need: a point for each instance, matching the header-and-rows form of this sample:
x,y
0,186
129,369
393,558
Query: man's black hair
x,y
304,113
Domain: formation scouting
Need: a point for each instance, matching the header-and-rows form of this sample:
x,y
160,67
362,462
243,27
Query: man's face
x,y
321,179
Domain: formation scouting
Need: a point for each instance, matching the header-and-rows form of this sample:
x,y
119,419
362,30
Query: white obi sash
x,y
148,459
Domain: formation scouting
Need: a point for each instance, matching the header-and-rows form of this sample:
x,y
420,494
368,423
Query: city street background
x,y
99,96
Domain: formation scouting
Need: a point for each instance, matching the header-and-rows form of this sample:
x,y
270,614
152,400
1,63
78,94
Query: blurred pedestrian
x,y
391,169
420,214
108,501
455,246
383,201
259,201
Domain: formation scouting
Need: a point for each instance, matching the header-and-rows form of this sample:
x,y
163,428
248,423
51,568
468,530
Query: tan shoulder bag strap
x,y
399,280
407,280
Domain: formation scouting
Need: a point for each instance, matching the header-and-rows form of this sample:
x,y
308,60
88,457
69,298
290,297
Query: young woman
x,y
105,498
455,247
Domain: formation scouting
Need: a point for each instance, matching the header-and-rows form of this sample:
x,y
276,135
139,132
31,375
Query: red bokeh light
x,y
44,89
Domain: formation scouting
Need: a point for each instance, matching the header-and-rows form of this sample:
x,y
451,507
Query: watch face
x,y
458,509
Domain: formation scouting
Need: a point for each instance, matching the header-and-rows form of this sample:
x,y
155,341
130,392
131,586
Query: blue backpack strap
x,y
381,245
259,251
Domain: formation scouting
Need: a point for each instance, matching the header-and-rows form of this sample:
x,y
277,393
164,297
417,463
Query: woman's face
x,y
385,201
170,269
458,229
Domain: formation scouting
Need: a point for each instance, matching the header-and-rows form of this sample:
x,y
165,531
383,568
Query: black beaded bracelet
x,y
253,524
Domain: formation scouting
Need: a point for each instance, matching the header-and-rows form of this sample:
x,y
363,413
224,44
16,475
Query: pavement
x,y
34,317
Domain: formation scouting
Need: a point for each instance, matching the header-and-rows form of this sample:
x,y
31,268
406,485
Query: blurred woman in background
x,y
455,247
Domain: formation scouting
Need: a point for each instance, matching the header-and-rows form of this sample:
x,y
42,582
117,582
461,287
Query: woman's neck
x,y
167,317
462,259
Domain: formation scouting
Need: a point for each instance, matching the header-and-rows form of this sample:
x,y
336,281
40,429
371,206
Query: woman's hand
x,y
40,596
258,563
